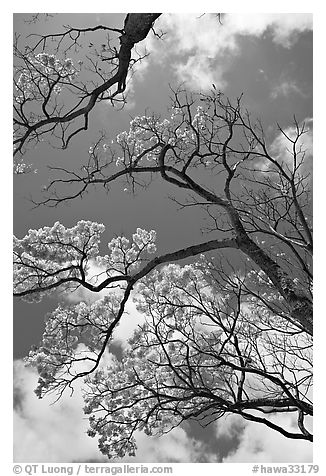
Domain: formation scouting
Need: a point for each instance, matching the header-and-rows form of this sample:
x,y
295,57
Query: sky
x,y
268,58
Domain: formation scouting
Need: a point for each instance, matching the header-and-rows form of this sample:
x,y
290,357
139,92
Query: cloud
x,y
229,426
200,49
175,447
257,443
198,73
45,432
281,147
285,88
283,27
94,274
128,324
137,73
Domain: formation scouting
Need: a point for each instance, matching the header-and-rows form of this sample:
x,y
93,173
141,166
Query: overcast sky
x,y
268,58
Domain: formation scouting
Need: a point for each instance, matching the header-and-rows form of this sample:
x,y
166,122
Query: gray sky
x,y
269,59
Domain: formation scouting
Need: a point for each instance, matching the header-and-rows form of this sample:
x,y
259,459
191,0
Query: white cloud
x,y
258,443
128,324
175,446
45,432
200,49
95,275
137,74
281,147
229,426
284,27
198,74
285,88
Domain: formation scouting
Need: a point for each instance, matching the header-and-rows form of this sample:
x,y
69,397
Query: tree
x,y
52,93
218,336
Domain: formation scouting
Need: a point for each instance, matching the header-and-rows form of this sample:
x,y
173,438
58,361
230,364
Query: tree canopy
x,y
218,336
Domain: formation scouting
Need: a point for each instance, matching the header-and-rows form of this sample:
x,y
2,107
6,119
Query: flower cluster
x,y
122,400
20,167
53,357
147,131
73,336
125,257
200,119
49,255
143,134
44,74
57,256
175,290
61,244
